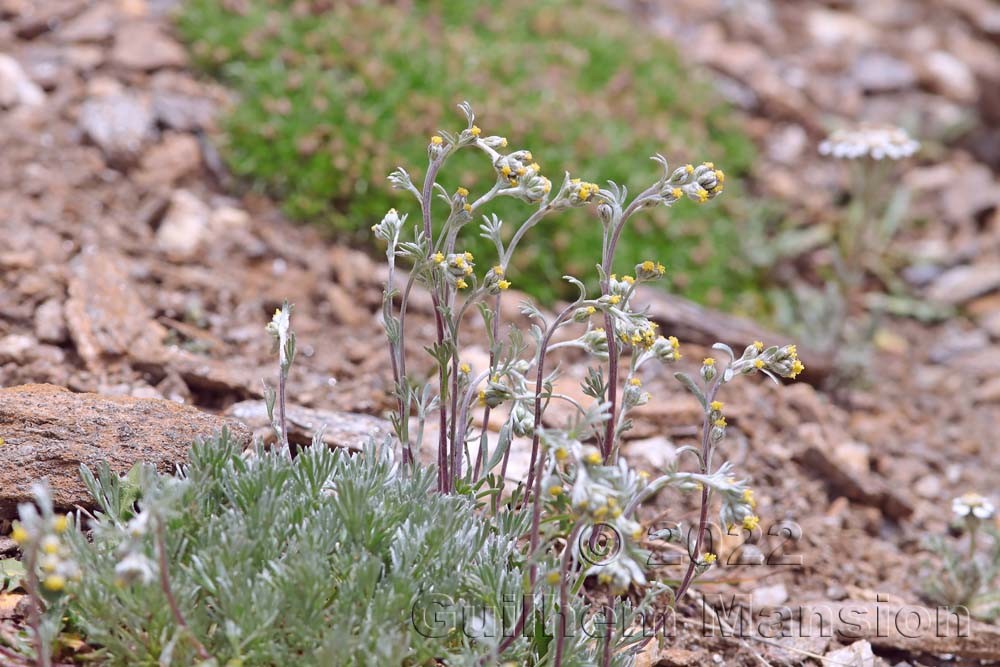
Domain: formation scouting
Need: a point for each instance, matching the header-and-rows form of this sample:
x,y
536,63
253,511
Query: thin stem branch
x,y
175,610
564,593
42,657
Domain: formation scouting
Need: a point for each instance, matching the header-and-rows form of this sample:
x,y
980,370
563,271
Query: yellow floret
x,y
716,406
475,131
462,192
708,361
503,284
55,582
436,140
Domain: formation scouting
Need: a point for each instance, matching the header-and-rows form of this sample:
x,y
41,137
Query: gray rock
x,y
16,87
97,24
858,654
963,283
340,429
876,71
184,227
119,123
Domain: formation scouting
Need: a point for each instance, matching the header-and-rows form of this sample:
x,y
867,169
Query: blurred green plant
x,y
331,94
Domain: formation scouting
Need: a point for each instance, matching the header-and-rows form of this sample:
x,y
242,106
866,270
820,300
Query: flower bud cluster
x,y
781,361
388,229
39,533
520,172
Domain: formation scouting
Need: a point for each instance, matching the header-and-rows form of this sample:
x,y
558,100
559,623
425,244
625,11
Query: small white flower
x,y
135,567
974,504
278,327
875,141
138,525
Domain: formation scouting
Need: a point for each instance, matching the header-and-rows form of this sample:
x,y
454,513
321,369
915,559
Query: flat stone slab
x,y
340,429
49,432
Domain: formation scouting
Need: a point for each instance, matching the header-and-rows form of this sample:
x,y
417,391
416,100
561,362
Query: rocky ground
x,y
132,267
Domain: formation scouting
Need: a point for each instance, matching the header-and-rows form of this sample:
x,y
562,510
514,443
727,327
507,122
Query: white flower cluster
x,y
974,505
134,565
875,141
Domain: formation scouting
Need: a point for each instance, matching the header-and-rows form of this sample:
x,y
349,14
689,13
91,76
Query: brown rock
x,y
185,226
50,326
105,316
144,46
340,429
49,432
908,628
819,457
176,156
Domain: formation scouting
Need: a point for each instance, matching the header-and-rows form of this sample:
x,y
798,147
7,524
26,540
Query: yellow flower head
x,y
465,368
436,140
751,521
748,498
50,544
438,257
498,270
561,454
555,491
759,346
676,193
648,265
60,523
708,361
797,367
468,256
462,192
689,169
591,310
720,422
468,208
614,299
758,363
461,284
475,131
674,342
553,577
503,284
528,156
593,458
635,382
19,534
628,279
54,582
708,557
716,406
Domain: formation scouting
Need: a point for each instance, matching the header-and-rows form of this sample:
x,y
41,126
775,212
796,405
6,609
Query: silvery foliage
x,y
575,473
967,575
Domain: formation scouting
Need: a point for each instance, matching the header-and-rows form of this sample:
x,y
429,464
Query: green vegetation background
x,y
333,95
